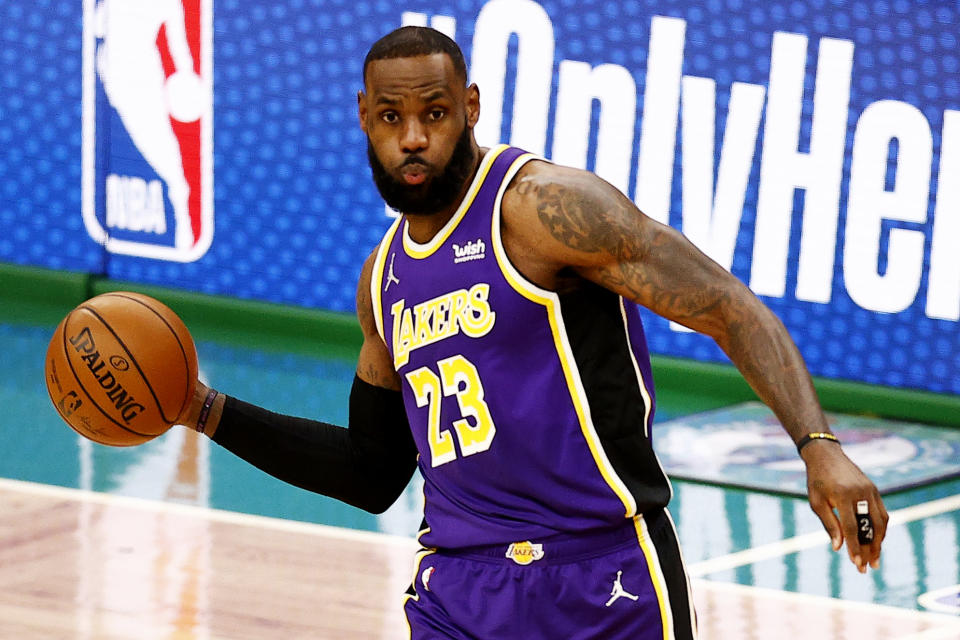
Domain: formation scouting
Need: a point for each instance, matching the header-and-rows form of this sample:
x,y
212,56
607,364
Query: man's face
x,y
419,121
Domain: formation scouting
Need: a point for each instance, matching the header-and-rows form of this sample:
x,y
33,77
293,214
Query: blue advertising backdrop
x,y
811,147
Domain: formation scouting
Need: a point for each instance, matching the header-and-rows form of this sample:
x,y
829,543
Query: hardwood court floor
x,y
87,565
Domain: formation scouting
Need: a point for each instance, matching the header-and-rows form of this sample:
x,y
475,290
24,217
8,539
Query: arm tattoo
x,y
575,221
591,221
655,266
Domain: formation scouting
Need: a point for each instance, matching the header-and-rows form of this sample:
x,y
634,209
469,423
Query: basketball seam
x,y
133,359
73,370
50,390
183,351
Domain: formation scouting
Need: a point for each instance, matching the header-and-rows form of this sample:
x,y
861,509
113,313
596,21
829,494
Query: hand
x,y
835,483
192,411
191,415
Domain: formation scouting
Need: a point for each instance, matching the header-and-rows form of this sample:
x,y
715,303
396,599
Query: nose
x,y
414,136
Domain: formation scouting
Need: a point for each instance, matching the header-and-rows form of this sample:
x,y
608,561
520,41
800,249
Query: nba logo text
x,y
148,127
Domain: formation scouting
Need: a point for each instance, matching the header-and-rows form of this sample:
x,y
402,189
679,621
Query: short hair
x,y
409,42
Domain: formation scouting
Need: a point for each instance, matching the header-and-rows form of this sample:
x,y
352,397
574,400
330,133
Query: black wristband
x,y
205,410
810,437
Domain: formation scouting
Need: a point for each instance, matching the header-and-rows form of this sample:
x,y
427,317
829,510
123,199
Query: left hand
x,y
834,486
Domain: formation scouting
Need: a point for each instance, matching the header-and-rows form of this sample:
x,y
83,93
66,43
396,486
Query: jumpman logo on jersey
x,y
619,591
390,277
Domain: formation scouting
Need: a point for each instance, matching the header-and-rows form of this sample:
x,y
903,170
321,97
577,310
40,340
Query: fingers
x,y
829,520
834,486
871,521
848,523
880,519
842,525
864,530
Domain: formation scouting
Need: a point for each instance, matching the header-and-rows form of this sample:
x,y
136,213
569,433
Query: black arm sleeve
x,y
367,465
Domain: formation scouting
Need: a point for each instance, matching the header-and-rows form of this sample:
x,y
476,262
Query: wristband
x,y
807,439
205,411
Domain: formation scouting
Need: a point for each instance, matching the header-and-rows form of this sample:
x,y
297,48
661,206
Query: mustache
x,y
414,159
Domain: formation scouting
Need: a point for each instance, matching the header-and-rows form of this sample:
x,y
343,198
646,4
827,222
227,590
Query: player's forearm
x,y
367,465
312,455
762,349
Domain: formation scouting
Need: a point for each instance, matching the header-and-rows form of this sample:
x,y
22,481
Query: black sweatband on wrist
x,y
810,437
205,410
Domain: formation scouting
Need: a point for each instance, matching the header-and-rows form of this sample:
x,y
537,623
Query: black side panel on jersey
x,y
598,338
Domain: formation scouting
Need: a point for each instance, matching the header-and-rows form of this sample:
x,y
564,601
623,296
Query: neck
x,y
424,227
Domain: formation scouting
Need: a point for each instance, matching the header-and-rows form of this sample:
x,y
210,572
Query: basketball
x,y
121,368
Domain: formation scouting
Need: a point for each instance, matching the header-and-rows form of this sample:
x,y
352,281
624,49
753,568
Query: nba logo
x,y
148,127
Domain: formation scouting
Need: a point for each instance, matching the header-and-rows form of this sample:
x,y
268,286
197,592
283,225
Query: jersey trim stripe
x,y
692,612
551,301
376,278
636,369
420,251
656,576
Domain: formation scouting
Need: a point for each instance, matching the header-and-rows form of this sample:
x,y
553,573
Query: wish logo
x,y
473,250
147,127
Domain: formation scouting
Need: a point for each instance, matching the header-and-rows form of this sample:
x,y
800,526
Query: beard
x,y
435,194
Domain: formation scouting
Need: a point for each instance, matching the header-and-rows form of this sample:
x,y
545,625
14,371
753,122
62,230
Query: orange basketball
x,y
121,368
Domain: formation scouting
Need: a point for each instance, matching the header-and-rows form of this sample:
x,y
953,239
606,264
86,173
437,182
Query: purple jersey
x,y
531,410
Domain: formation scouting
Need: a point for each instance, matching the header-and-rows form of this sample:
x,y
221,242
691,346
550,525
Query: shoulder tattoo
x,y
582,218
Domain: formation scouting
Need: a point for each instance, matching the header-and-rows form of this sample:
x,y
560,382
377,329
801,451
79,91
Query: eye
x,y
436,114
390,117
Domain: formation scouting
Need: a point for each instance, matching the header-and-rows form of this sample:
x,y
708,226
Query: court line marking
x,y
952,623
206,513
929,599
697,570
814,539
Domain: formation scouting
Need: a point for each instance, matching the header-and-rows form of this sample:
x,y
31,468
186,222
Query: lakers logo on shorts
x,y
524,552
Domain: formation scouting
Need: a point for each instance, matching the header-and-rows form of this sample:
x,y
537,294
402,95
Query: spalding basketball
x,y
121,368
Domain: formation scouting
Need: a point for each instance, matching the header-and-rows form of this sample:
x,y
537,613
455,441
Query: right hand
x,y
191,414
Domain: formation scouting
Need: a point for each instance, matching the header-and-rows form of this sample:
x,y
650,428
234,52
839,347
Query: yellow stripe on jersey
x,y
376,278
551,301
692,611
656,576
421,251
636,369
644,392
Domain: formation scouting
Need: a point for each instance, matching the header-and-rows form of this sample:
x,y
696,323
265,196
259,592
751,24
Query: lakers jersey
x,y
531,410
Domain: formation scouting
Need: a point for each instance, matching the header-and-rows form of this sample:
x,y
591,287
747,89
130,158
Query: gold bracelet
x,y
819,435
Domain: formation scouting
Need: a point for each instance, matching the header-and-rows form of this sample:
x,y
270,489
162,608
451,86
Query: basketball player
x,y
504,357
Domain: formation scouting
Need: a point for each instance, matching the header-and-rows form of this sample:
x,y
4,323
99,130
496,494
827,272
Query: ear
x,y
362,110
472,105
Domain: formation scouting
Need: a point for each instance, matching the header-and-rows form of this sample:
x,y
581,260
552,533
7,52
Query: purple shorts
x,y
627,582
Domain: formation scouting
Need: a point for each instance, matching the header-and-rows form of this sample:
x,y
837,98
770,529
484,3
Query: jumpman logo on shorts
x,y
619,591
390,276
